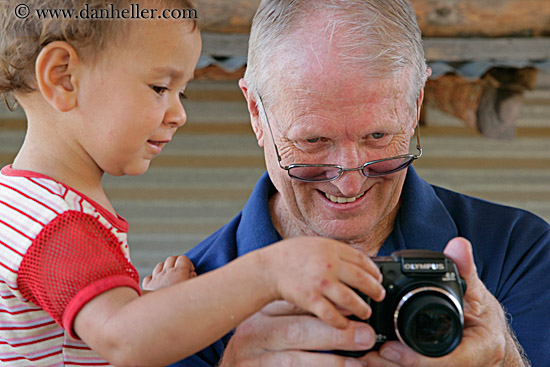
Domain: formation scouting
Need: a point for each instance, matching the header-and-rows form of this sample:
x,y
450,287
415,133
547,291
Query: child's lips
x,y
157,145
158,142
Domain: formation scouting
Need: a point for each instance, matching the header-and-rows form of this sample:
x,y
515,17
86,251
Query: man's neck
x,y
288,226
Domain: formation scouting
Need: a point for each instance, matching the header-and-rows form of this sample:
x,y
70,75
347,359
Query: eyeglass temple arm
x,y
418,146
270,131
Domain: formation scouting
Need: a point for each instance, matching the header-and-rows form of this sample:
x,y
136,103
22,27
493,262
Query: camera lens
x,y
430,324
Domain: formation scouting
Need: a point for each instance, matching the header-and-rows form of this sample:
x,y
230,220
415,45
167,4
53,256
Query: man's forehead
x,y
313,83
307,92
336,129
320,43
316,112
308,75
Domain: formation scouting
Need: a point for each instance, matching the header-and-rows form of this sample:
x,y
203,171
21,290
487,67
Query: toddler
x,y
104,96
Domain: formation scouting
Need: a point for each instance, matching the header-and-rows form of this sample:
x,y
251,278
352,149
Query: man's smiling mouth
x,y
341,199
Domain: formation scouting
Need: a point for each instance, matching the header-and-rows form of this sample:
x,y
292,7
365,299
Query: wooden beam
x,y
447,49
215,73
225,44
436,18
483,18
233,16
482,49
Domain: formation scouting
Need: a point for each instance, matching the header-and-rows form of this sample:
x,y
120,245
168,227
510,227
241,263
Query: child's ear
x,y
255,119
55,67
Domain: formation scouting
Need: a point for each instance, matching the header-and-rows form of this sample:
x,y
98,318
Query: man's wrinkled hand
x,y
282,335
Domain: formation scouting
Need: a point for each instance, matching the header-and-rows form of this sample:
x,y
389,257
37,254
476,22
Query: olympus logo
x,y
424,266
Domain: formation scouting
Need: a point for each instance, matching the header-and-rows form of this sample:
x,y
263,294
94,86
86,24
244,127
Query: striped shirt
x,y
54,247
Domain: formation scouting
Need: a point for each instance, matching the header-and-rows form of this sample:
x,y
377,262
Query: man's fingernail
x,y
383,293
351,362
363,336
390,354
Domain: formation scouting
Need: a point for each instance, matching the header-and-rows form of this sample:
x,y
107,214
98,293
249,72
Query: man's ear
x,y
255,119
421,95
421,100
55,67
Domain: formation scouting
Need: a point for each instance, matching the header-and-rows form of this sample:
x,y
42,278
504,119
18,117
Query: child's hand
x,y
173,270
317,274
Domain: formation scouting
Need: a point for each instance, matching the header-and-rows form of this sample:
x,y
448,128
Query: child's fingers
x,y
184,262
170,262
166,264
345,298
283,308
158,268
353,256
327,312
146,281
363,281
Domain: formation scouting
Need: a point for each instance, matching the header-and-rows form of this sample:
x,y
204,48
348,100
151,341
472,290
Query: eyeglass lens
x,y
325,173
314,173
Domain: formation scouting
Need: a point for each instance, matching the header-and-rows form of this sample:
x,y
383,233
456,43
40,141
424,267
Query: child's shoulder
x,y
34,194
37,198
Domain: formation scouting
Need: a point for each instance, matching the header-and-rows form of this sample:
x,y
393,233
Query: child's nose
x,y
175,115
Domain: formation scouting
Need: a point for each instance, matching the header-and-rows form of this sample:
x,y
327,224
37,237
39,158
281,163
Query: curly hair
x,y
22,38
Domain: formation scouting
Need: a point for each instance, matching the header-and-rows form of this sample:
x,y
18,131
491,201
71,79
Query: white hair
x,y
381,40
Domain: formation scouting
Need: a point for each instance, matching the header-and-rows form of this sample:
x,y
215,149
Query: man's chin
x,y
342,233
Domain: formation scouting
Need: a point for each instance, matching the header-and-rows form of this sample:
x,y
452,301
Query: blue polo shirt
x,y
511,251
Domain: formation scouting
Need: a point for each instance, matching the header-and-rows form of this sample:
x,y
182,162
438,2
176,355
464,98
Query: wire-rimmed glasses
x,y
331,172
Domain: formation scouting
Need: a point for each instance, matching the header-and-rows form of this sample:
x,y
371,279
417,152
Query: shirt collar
x,y
423,220
256,228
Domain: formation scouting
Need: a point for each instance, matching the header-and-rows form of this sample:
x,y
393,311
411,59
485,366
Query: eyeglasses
x,y
331,172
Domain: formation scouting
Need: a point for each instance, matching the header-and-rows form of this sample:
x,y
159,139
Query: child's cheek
x,y
154,115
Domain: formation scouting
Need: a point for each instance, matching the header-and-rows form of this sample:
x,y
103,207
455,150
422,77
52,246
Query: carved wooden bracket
x,y
490,104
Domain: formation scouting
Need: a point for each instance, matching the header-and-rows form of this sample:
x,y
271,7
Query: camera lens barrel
x,y
429,320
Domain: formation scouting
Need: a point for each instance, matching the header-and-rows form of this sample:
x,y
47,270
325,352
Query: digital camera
x,y
423,303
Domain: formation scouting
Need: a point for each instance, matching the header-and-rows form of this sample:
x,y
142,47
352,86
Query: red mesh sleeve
x,y
72,260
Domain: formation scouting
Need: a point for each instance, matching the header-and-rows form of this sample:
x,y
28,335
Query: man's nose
x,y
350,183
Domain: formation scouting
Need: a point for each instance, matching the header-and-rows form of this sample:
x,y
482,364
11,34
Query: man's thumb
x,y
460,251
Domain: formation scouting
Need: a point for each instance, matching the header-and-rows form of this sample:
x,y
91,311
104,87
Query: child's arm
x,y
174,322
173,270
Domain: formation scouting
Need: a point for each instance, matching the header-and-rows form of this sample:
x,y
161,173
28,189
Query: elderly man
x,y
334,89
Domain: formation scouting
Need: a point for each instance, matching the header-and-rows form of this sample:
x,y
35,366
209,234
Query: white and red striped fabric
x,y
58,250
